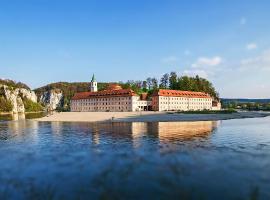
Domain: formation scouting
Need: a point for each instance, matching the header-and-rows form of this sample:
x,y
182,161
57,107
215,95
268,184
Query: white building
x,y
116,99
176,100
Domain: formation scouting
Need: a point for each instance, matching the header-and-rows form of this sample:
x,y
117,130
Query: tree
x,y
154,83
173,81
164,81
144,86
149,83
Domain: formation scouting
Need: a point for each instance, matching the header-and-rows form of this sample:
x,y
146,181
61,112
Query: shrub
x,y
5,105
31,106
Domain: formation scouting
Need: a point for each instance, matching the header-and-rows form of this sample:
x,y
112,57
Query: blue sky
x,y
228,41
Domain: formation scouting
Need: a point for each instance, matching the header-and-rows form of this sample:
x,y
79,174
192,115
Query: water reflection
x,y
136,131
21,116
170,131
168,160
18,116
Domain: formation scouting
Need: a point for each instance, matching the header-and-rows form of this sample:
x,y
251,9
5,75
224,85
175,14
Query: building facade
x,y
113,99
175,100
116,99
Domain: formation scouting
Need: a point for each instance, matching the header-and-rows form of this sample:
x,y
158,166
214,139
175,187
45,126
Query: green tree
x,y
173,85
164,81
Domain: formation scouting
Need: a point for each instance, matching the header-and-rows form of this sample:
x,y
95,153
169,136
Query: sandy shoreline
x,y
144,116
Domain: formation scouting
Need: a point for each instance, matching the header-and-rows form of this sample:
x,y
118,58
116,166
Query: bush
x,y
31,106
5,105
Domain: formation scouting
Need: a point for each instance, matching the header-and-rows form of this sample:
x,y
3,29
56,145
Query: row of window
x,y
97,104
98,108
103,99
186,103
182,99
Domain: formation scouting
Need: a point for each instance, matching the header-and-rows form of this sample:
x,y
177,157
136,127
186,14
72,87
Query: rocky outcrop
x,y
52,99
16,96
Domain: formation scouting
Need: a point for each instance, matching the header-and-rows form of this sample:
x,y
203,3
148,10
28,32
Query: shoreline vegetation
x,y
149,116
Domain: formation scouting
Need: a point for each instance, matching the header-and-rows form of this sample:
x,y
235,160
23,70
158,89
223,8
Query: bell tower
x,y
93,84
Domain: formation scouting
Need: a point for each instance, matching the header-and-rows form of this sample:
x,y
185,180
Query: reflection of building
x,y
116,99
184,130
162,131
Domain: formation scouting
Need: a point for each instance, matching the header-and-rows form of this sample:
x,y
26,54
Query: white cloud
x,y
206,62
169,59
251,46
243,21
204,67
260,62
201,73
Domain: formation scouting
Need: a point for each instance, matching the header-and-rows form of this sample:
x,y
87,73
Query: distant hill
x,y
242,100
67,91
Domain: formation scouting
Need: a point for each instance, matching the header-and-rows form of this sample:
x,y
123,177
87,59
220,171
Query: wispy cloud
x,y
243,21
204,62
251,46
169,59
204,67
260,62
192,72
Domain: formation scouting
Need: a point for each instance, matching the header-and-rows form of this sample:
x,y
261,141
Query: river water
x,y
165,160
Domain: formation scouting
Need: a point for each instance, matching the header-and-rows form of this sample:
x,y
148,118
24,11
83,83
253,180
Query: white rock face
x,y
15,97
52,99
27,94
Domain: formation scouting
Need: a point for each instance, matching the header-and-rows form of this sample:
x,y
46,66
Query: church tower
x,y
93,84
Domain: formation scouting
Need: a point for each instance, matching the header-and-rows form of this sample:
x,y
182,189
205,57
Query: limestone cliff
x,y
16,96
52,99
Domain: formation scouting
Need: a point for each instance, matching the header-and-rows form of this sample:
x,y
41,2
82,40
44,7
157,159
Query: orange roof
x,y
104,93
180,93
114,86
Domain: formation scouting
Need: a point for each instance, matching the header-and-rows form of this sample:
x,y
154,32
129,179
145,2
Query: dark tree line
x,y
251,106
174,82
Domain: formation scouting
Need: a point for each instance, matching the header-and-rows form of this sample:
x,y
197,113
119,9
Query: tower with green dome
x,y
93,84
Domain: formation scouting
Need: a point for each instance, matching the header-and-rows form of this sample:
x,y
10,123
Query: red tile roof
x,y
180,93
104,93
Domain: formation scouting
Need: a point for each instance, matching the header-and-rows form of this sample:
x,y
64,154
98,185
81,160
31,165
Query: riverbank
x,y
148,116
12,113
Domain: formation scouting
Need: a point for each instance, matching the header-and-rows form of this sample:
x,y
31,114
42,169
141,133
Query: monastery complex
x,y
116,99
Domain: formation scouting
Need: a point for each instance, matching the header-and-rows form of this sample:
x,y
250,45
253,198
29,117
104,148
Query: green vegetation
x,y
173,82
5,105
229,111
31,106
13,85
250,106
68,89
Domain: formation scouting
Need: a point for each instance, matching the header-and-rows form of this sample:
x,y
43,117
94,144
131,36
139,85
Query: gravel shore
x,y
144,116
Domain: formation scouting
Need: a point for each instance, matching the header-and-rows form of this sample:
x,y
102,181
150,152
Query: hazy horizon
x,y
50,41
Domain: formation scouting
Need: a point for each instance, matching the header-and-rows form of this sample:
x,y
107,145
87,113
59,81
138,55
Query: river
x,y
162,160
